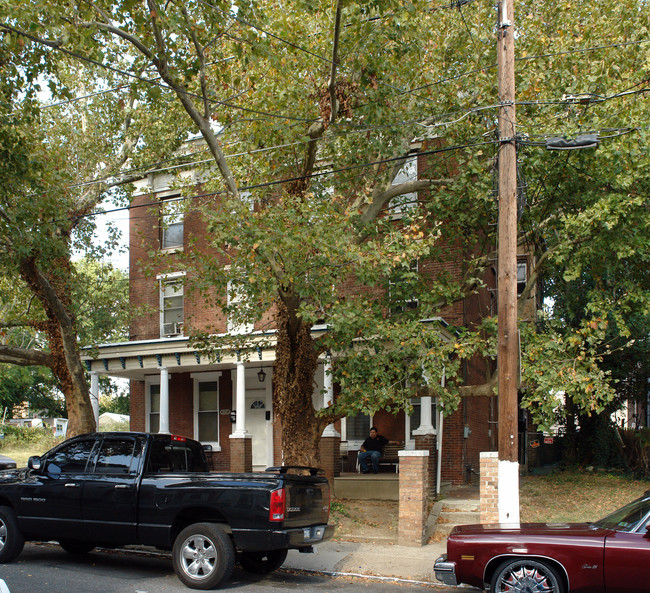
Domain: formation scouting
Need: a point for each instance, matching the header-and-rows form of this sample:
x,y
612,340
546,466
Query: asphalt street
x,y
48,569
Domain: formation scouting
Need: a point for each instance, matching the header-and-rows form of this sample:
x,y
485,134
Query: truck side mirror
x,y
34,462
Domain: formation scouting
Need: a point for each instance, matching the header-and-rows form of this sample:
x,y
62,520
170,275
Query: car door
x,y
627,561
50,502
110,493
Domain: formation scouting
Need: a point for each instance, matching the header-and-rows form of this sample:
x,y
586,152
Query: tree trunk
x,y
54,295
293,386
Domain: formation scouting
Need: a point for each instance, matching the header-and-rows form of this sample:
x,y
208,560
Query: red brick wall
x,y
137,406
413,496
476,413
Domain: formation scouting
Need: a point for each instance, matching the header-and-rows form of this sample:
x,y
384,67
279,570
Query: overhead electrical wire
x,y
147,81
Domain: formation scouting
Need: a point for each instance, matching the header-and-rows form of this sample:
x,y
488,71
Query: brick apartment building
x,y
228,401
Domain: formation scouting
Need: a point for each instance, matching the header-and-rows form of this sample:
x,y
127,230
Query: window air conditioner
x,y
172,329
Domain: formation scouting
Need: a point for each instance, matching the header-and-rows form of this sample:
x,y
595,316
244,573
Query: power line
x,y
148,81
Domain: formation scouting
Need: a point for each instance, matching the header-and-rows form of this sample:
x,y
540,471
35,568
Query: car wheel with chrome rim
x,y
526,576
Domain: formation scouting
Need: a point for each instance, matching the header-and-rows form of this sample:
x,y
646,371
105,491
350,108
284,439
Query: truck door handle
x,y
71,485
121,486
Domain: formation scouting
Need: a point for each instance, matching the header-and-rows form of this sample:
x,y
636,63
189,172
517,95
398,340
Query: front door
x,y
258,420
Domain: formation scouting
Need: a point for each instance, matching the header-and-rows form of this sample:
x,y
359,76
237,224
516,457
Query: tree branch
x,y
334,104
379,201
25,356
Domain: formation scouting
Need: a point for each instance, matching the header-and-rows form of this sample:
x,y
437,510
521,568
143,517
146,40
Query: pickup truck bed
x,y
114,489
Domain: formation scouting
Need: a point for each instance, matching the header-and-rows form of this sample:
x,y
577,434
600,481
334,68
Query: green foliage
x,y
256,83
26,435
33,386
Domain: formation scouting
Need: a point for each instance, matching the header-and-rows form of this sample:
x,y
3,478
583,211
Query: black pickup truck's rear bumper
x,y
261,540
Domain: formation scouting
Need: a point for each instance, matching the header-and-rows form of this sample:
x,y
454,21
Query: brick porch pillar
x,y
330,460
241,454
427,442
413,496
489,489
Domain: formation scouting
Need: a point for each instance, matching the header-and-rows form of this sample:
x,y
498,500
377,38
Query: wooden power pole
x,y
508,337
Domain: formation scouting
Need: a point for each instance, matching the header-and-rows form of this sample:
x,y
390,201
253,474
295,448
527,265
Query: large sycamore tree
x,y
309,110
64,146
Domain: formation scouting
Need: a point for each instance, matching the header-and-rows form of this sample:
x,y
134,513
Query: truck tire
x,y
75,546
11,540
203,556
263,562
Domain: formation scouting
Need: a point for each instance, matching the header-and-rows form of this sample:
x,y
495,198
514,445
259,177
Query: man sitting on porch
x,y
372,449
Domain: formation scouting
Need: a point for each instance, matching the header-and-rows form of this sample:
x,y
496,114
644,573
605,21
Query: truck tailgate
x,y
307,501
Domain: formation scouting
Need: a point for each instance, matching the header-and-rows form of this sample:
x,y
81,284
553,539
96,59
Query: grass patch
x,y
574,496
20,443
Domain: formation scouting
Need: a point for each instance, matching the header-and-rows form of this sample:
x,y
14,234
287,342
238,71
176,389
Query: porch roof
x,y
137,359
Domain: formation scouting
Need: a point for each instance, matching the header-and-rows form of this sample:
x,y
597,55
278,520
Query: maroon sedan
x,y
609,556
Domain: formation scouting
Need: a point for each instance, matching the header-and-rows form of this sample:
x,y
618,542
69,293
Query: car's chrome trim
x,y
445,571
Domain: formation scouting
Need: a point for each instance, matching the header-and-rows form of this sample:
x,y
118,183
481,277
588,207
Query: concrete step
x,y
459,518
460,505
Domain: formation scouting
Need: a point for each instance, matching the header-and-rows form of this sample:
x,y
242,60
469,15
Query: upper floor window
x,y
171,223
402,288
409,172
237,310
171,305
522,276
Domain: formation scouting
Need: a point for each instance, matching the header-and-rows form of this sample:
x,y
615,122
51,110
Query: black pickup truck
x,y
113,489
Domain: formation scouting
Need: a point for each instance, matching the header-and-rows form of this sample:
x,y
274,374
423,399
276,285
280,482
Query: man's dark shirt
x,y
376,444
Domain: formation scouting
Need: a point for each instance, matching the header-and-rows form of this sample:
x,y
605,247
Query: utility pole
x,y
508,336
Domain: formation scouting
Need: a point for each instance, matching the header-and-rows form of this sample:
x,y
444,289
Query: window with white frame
x,y
153,407
236,300
408,172
206,408
401,287
522,276
172,305
171,223
357,429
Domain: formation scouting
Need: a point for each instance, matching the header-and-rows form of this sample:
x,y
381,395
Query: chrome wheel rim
x,y
198,557
526,579
3,534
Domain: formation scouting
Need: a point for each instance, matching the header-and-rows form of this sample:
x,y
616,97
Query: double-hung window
x,y
402,288
171,223
238,310
206,408
172,305
401,204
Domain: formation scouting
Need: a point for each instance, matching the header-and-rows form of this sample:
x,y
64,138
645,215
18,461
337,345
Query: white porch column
x,y
240,403
164,400
94,395
426,426
328,396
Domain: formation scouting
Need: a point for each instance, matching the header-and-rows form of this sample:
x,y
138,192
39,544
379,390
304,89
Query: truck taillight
x,y
277,505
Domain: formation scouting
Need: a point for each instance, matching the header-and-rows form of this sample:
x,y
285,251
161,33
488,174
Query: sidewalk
x,y
385,559
341,558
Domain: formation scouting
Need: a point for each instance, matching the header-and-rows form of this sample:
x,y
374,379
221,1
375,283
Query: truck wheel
x,y
11,540
263,562
75,546
203,556
524,575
